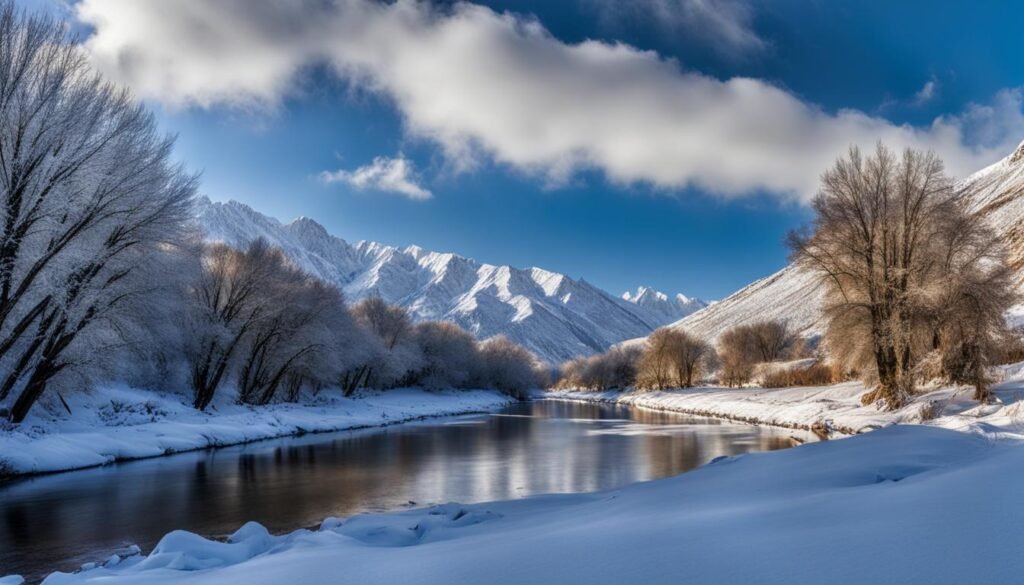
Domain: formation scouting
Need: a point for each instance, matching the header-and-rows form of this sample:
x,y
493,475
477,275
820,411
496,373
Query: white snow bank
x,y
116,423
801,407
906,504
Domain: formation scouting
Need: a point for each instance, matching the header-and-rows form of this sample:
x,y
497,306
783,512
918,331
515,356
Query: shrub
x,y
815,374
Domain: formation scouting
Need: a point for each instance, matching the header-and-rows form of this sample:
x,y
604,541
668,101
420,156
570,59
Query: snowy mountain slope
x,y
998,194
660,307
551,314
793,295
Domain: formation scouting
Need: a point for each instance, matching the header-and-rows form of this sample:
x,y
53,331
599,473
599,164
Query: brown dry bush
x,y
816,374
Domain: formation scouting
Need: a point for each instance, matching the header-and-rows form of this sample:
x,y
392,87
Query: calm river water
x,y
60,521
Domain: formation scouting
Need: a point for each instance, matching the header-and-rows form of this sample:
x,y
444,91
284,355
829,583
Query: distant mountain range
x,y
553,315
795,295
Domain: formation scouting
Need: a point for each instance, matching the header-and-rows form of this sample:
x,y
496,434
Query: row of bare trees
x,y
673,358
102,275
261,322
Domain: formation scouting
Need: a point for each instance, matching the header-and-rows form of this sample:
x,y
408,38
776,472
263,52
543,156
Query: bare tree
x,y
690,355
308,314
771,340
896,246
506,366
230,301
390,322
615,368
736,356
449,352
672,358
656,368
89,200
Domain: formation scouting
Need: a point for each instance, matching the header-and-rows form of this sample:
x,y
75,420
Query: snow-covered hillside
x,y
795,295
551,314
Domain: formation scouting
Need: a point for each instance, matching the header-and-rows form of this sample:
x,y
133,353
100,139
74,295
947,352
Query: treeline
x,y
673,358
917,289
254,318
103,276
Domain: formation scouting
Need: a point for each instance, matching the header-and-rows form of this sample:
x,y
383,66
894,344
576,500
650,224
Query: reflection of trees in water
x,y
298,482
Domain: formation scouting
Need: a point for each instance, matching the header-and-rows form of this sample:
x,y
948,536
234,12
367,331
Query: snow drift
x,y
902,505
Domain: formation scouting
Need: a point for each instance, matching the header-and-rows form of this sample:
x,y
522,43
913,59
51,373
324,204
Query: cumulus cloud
x,y
390,175
498,86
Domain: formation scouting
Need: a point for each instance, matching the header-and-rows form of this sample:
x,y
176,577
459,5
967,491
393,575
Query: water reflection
x,y
539,447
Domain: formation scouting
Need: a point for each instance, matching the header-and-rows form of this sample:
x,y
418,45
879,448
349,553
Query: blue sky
x,y
703,224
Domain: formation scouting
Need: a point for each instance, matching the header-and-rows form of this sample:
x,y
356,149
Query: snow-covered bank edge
x,y
119,424
899,505
837,406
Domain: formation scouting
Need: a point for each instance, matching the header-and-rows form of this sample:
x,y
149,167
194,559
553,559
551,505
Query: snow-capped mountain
x,y
794,295
551,314
661,308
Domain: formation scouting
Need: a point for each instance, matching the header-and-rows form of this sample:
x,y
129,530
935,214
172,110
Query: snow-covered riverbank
x,y
116,423
907,504
801,407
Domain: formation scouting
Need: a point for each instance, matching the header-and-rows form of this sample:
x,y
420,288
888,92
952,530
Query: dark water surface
x,y
60,521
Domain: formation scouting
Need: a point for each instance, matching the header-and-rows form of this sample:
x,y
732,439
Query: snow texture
x,y
906,504
116,423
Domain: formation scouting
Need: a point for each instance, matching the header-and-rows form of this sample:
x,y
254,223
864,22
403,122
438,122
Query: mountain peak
x,y
547,312
659,307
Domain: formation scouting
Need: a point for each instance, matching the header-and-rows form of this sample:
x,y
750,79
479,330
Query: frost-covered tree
x,y
449,355
389,322
395,357
506,366
292,341
908,269
89,202
234,295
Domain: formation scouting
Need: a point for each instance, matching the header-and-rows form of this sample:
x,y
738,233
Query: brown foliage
x,y
816,374
615,368
744,346
908,270
672,358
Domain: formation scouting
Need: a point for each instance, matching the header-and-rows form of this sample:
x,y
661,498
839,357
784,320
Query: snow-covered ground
x,y
908,503
115,423
801,407
905,504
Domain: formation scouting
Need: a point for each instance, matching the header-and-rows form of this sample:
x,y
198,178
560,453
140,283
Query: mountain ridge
x,y
551,314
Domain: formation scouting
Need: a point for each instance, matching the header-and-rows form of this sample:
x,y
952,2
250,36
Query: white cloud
x,y
927,92
390,175
724,26
498,86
